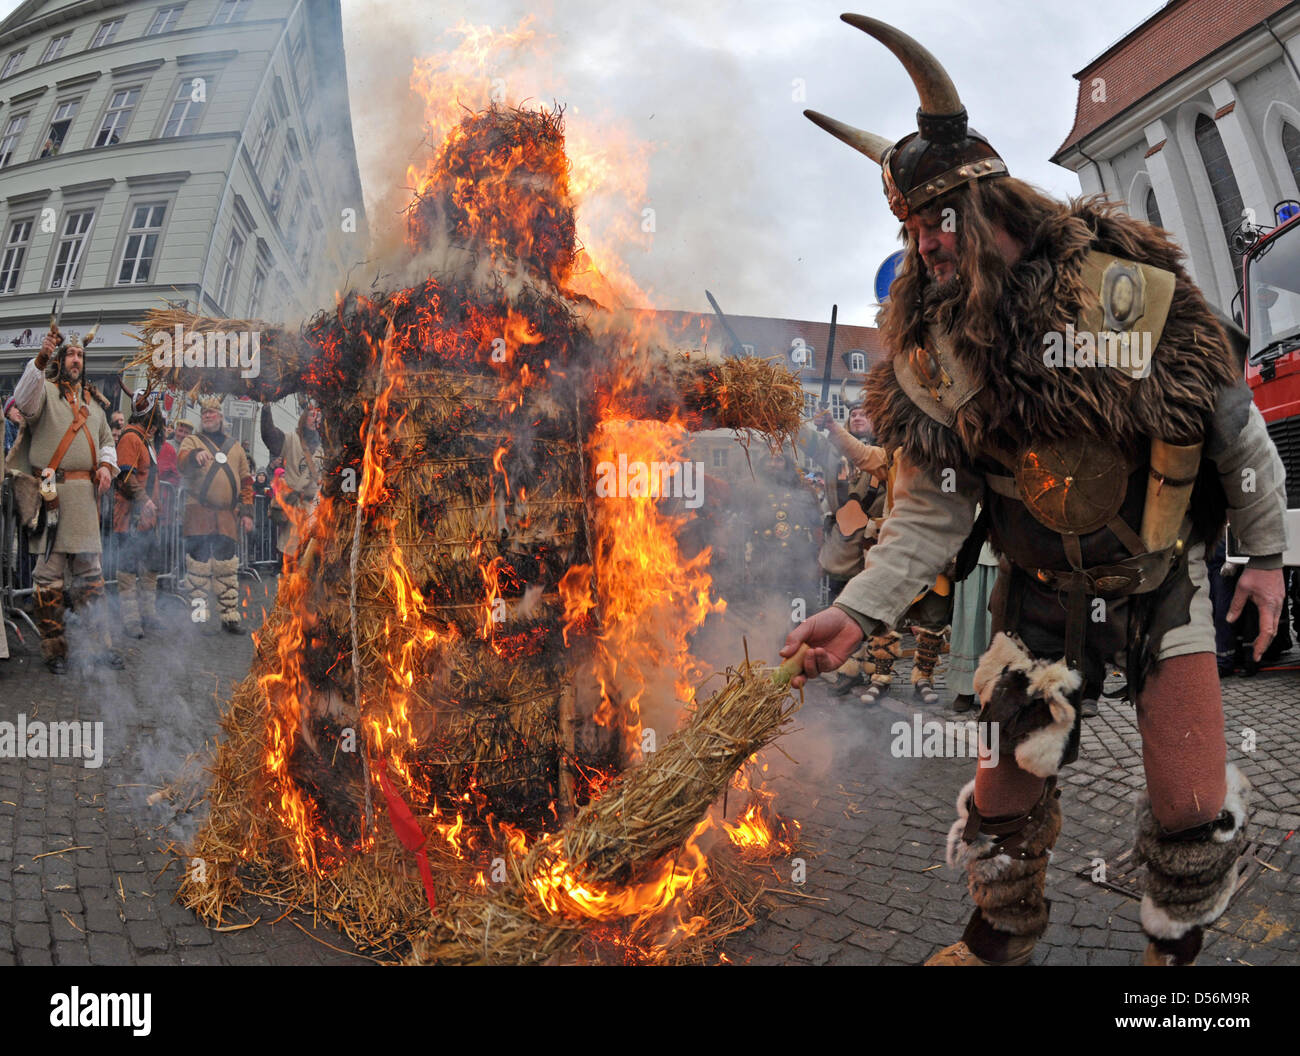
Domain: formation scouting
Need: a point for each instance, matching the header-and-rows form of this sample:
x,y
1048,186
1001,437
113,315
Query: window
x,y
292,227
67,257
55,48
113,127
230,11
809,404
719,458
229,269
105,33
186,110
1227,196
1152,208
13,62
11,264
59,125
838,411
13,130
297,46
857,361
277,191
1291,145
259,288
164,20
265,137
142,242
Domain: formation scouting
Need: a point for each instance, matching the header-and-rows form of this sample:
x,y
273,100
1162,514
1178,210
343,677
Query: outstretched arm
x,y
244,357
925,529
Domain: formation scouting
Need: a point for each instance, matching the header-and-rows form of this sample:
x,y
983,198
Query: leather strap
x,y
79,416
212,474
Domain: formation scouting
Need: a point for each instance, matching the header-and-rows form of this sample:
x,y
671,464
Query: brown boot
x,y
984,945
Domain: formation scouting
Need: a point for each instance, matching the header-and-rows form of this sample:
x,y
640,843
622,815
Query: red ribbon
x,y
409,832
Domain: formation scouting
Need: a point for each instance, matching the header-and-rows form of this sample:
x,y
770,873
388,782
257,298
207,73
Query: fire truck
x,y
1270,313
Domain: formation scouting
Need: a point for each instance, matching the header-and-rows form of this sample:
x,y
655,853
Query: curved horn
x,y
934,86
868,143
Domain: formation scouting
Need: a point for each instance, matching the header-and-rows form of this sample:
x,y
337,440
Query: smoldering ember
x,y
404,565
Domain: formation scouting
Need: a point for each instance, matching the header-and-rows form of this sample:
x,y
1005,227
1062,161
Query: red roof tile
x,y
1175,38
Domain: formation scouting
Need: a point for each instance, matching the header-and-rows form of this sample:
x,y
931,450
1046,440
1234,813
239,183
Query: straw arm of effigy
x,y
276,370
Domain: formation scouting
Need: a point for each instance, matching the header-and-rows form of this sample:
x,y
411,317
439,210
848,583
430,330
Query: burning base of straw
x,y
627,880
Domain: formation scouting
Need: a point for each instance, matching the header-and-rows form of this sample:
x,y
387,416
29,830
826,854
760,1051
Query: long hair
x,y
968,307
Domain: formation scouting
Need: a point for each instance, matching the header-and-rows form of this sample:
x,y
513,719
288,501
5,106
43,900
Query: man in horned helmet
x,y
1054,364
68,446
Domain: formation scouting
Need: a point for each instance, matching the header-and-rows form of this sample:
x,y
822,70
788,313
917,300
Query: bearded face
x,y
73,362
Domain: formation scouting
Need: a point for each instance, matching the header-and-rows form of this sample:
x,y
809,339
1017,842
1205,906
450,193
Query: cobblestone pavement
x,y
875,826
86,876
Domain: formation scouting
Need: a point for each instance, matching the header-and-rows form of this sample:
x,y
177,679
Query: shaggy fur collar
x,y
1022,397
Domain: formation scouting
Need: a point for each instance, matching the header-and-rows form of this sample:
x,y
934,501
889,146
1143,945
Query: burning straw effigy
x,y
437,747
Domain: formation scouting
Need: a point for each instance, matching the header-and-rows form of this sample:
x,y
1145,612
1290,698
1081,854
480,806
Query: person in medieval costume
x,y
850,525
136,509
68,447
218,500
1099,484
301,452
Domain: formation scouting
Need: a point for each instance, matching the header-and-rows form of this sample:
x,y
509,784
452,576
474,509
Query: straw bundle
x,y
630,834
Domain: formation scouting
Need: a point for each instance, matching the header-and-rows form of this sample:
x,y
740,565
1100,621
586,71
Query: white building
x,y
198,153
1193,120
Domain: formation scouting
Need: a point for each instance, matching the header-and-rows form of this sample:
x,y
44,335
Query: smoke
x,y
161,713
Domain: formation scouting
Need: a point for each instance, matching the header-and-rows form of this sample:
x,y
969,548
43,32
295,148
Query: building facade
x,y
1192,120
196,154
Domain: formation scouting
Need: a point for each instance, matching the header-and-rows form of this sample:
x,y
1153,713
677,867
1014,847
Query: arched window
x,y
1227,196
1153,210
1291,145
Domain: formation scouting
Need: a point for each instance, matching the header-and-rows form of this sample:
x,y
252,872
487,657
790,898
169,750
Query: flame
x,y
564,892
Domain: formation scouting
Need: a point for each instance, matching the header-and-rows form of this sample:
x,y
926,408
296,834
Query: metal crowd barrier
x,y
16,561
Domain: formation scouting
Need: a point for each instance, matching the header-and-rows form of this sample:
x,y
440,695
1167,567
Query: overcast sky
x,y
749,198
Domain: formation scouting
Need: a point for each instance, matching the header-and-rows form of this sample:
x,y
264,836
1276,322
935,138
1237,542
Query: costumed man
x,y
928,618
301,452
136,509
218,500
68,447
851,520
780,550
1100,481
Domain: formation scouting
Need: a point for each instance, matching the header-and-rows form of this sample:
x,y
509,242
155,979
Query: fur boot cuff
x,y
1191,875
1029,701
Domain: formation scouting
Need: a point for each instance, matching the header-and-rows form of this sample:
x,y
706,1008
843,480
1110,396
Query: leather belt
x,y
1139,575
61,475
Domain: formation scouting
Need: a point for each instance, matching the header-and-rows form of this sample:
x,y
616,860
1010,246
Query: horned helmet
x,y
943,154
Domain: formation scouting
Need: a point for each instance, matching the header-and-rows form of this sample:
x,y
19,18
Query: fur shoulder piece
x,y
1024,393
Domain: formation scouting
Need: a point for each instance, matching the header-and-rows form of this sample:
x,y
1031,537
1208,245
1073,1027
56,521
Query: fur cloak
x,y
1023,397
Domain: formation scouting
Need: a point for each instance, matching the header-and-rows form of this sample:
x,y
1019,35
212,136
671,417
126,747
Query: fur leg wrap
x,y
148,594
128,600
1007,873
928,645
49,620
1030,702
225,578
884,650
199,573
1191,875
